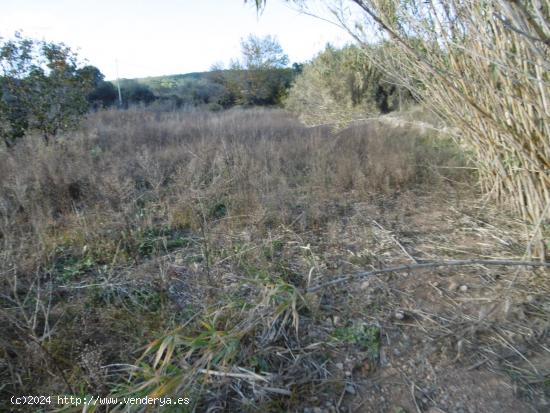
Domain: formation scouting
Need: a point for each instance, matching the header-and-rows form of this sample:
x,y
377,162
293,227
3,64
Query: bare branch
x,y
423,265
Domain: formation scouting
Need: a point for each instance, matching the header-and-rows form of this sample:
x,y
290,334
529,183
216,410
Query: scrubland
x,y
170,254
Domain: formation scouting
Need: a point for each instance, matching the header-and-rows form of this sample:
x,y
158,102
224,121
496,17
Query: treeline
x,y
45,88
214,90
338,85
260,77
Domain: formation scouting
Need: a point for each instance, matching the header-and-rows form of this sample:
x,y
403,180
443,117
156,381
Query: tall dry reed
x,y
483,66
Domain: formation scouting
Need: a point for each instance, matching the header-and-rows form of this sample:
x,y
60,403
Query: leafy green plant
x,y
365,337
152,241
69,268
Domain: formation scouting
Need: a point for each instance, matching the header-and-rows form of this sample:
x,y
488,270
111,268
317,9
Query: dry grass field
x,y
177,254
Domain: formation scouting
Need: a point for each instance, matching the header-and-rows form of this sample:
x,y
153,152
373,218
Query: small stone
x,y
463,288
336,320
365,285
347,373
339,366
399,315
350,389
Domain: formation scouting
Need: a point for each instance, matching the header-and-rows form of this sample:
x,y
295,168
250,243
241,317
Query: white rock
x,y
365,285
350,389
463,288
399,315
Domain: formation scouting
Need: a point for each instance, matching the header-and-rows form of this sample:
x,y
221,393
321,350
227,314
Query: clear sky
x,y
160,37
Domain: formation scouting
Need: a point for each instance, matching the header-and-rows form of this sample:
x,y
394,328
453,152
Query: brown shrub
x,y
104,196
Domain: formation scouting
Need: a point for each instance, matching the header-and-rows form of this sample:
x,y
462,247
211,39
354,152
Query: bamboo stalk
x,y
481,76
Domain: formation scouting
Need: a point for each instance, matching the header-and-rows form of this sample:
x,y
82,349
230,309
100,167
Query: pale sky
x,y
162,37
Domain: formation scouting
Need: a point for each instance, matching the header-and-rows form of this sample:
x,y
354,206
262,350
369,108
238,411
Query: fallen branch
x,y
422,265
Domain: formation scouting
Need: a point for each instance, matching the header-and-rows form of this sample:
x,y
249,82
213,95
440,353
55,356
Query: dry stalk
x,y
425,265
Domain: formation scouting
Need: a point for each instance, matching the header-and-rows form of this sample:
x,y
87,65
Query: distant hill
x,y
215,89
160,84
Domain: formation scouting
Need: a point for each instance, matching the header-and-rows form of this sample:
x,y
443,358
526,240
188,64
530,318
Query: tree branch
x,y
413,267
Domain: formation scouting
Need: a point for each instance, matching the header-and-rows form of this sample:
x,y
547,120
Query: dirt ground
x,y
452,339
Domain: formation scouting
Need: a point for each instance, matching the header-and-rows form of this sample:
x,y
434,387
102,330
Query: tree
x,y
340,85
266,78
104,93
262,53
15,64
259,78
134,93
42,87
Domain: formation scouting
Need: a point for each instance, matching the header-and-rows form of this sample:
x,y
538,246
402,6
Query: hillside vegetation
x,y
214,90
